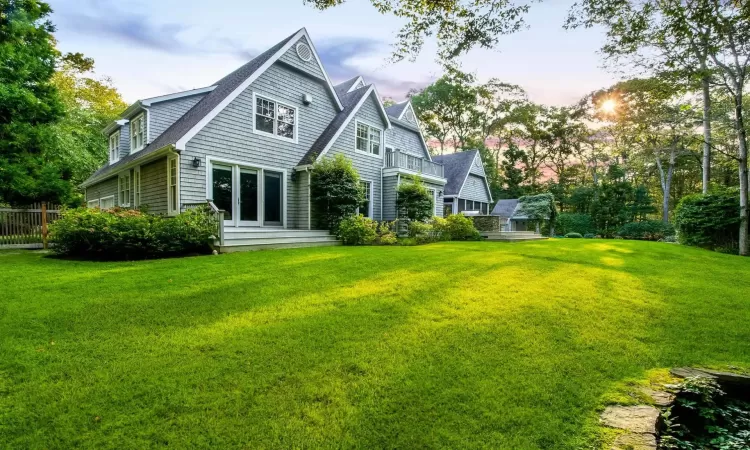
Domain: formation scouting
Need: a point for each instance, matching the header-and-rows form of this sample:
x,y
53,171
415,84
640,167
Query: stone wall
x,y
486,223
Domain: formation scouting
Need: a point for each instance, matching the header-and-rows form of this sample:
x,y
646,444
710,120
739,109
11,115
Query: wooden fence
x,y
26,227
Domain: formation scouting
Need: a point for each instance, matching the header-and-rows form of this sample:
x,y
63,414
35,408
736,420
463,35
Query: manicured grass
x,y
454,345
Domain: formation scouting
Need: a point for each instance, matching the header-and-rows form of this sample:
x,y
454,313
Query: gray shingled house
x,y
247,143
466,190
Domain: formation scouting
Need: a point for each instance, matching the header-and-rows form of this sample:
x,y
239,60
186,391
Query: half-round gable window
x,y
410,115
304,52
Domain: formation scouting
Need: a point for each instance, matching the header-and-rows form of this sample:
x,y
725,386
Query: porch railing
x,y
216,214
406,161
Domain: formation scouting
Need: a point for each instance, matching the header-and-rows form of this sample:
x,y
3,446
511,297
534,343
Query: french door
x,y
250,197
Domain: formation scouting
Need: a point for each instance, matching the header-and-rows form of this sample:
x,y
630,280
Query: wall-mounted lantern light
x,y
196,162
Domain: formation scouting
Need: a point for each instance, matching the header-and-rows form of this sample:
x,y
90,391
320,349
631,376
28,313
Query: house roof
x,y
457,167
351,101
397,109
343,88
505,208
184,124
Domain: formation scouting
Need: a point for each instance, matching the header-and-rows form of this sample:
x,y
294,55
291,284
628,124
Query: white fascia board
x,y
114,126
380,106
176,95
182,142
136,162
356,82
468,172
388,171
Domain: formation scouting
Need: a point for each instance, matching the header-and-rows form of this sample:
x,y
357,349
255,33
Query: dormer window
x,y
138,133
409,115
114,147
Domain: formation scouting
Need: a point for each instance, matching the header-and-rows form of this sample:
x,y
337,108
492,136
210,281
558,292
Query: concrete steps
x,y
249,239
512,236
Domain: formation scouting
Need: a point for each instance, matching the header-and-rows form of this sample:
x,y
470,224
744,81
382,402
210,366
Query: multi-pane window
x,y
433,195
138,133
368,138
114,147
137,187
172,186
125,189
107,202
93,203
364,208
275,118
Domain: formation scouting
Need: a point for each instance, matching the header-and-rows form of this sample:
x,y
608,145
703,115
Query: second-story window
x,y
114,147
274,118
368,138
138,133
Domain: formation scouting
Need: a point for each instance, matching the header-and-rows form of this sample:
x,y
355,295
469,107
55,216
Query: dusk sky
x,y
157,47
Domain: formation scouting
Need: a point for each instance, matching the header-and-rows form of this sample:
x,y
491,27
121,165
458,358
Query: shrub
x,y
419,229
461,228
386,234
574,236
574,223
120,234
647,230
441,228
357,230
589,236
335,190
486,223
710,221
414,202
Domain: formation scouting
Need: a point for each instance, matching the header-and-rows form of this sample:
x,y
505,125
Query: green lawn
x,y
454,345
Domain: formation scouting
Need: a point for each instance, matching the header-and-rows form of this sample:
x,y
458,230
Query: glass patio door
x,y
249,197
272,198
222,186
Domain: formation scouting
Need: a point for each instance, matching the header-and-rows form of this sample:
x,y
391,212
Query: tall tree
x,y
90,103
673,36
459,25
28,103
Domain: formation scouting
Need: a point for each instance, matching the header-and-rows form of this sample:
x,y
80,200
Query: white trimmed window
x,y
124,183
138,133
92,203
366,207
137,187
275,119
114,147
434,195
107,202
173,184
369,139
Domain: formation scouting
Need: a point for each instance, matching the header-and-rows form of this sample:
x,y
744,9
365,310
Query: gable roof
x,y
505,208
346,87
457,167
352,101
396,110
225,90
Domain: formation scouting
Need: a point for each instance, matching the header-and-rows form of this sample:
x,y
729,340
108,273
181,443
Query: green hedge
x,y
710,221
574,223
360,230
125,234
647,230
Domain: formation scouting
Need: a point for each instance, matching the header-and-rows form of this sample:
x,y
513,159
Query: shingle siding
x,y
475,189
154,186
477,168
368,166
230,135
164,114
311,67
103,189
406,140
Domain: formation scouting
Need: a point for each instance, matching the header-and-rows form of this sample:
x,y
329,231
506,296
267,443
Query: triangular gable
x,y
182,142
477,156
339,124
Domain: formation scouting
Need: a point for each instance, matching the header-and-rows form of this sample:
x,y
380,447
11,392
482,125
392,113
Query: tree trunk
x,y
666,184
706,133
742,135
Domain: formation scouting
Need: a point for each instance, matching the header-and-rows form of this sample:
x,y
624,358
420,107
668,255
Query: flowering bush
x,y
122,234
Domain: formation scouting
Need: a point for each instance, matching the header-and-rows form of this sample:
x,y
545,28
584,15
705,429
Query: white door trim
x,y
237,164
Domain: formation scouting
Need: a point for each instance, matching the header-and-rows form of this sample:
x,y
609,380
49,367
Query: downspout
x,y
309,200
381,193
